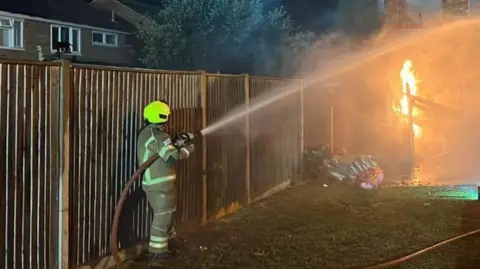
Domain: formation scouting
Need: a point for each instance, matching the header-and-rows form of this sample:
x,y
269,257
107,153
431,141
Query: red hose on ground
x,y
118,211
408,257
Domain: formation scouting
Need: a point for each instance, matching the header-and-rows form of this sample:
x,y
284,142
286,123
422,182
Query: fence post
x,y
248,178
302,126
203,88
66,142
332,130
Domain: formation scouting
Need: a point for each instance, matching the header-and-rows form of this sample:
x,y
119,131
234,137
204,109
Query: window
x,y
65,34
11,33
105,39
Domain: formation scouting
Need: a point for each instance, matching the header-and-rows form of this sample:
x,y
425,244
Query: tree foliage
x,y
357,18
230,36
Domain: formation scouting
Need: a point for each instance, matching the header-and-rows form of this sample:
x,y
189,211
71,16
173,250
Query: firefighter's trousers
x,y
162,197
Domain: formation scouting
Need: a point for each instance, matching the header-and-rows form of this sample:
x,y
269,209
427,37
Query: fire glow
x,y
409,82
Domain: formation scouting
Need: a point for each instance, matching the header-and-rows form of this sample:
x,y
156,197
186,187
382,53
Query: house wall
x,y
37,33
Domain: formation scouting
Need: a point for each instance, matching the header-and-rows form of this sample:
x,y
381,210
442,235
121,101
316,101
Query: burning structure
x,y
404,108
418,113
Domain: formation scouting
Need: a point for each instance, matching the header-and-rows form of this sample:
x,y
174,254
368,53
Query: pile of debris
x,y
358,170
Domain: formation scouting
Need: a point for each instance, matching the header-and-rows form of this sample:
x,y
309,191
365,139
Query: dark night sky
x,y
314,15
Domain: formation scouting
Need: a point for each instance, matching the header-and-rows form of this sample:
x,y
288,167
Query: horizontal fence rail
x,y
100,108
28,165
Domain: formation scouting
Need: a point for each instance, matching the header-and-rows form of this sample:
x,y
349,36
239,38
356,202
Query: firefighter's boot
x,y
173,244
173,247
158,260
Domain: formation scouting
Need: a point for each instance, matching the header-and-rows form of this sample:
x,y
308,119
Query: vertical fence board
x,y
4,202
35,201
204,105
74,188
19,164
105,134
43,261
26,88
11,136
65,137
49,196
53,81
115,129
85,205
82,167
94,162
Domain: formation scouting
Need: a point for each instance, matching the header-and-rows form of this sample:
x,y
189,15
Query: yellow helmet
x,y
156,112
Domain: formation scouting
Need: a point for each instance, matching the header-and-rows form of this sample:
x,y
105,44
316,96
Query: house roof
x,y
72,11
124,11
143,7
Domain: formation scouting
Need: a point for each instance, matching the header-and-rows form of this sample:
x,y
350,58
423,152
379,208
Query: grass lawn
x,y
312,226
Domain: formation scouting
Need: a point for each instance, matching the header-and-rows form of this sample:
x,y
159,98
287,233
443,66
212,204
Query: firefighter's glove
x,y
183,139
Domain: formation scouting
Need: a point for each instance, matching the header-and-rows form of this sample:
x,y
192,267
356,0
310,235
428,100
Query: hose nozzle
x,y
192,136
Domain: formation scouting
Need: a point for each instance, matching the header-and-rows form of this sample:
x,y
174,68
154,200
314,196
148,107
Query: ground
x,y
313,226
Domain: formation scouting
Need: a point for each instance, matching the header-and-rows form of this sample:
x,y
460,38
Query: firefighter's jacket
x,y
153,140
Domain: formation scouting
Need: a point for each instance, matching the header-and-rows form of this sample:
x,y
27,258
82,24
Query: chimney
x,y
40,53
113,16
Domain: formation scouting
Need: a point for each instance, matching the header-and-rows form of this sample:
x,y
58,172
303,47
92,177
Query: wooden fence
x,y
67,148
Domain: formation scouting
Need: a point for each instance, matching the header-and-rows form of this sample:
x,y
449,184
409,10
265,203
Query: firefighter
x,y
159,179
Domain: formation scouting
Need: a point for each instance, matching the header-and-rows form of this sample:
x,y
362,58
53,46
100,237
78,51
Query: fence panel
x,y
28,164
108,114
226,148
275,135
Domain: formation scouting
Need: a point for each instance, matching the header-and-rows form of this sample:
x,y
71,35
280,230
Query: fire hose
x,y
183,138
118,211
415,254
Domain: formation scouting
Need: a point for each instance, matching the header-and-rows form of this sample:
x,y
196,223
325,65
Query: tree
x,y
357,18
231,36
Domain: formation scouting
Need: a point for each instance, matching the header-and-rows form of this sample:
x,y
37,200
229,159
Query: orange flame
x,y
409,82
